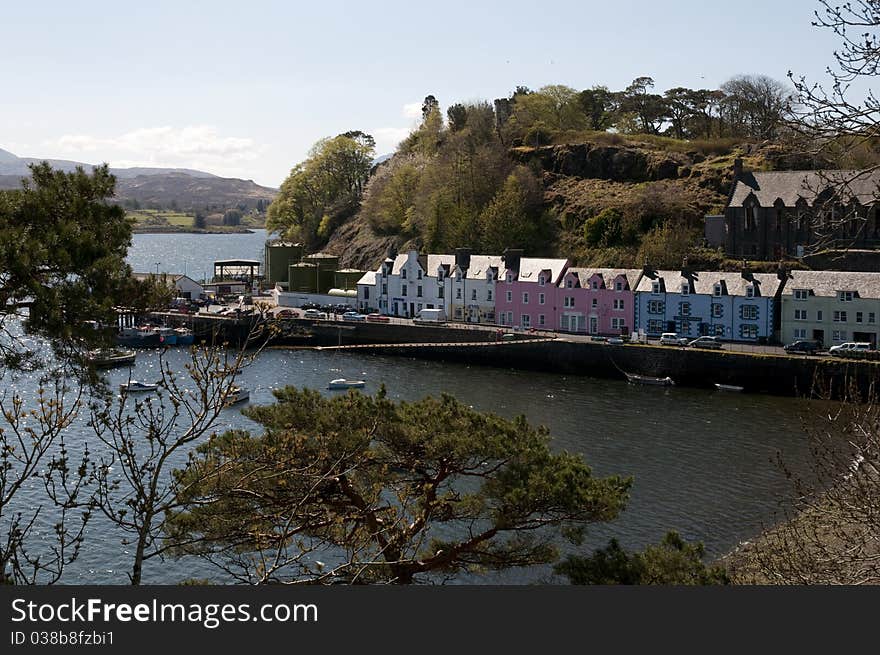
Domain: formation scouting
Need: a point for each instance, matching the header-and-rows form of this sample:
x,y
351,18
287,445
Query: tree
x,y
755,105
598,107
200,221
510,220
671,562
680,109
361,489
62,263
232,217
649,109
429,105
457,116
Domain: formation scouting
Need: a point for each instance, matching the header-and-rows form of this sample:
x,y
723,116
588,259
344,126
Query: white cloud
x,y
193,146
387,138
412,110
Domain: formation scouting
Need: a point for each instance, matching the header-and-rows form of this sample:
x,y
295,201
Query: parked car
x,y
353,316
314,313
617,341
848,347
672,339
802,346
377,318
287,313
713,343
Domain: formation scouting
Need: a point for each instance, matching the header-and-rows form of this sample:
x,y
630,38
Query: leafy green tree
x,y
330,180
671,562
679,108
232,217
755,105
597,104
510,220
604,229
361,489
457,116
200,220
649,109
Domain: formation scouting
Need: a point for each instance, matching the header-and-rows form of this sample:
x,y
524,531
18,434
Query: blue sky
x,y
244,89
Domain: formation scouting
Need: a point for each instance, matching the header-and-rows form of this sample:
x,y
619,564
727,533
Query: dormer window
x,y
594,285
618,286
685,289
569,283
541,280
845,296
717,290
655,287
509,277
750,291
801,294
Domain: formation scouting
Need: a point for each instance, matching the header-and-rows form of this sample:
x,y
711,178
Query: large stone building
x,y
776,214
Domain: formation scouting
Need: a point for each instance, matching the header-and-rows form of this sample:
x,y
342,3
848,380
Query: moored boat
x,y
342,383
167,336
109,357
237,395
634,378
185,336
138,337
133,386
728,387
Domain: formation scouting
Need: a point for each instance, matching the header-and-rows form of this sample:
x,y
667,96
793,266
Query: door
x,y
819,337
594,325
412,309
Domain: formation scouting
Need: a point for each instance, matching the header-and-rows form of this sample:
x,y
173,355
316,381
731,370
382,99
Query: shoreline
x,y
176,230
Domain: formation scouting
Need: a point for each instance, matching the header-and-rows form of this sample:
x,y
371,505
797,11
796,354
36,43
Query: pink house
x,y
526,294
596,301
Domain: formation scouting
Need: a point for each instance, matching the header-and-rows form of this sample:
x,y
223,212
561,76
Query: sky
x,y
244,89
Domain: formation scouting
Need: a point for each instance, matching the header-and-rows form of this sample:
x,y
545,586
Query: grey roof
x,y
828,283
703,282
789,186
531,267
479,264
608,274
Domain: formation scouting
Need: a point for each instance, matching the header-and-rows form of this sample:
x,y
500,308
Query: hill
x,y
178,188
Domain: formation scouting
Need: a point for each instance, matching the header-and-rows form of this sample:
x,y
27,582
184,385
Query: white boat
x,y
342,383
647,379
237,395
728,387
109,357
134,386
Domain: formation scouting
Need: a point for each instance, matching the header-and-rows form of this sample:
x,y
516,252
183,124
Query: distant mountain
x,y
181,188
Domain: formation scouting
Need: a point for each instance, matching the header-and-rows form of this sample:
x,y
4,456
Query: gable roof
x,y
368,279
828,283
789,186
703,282
479,264
608,275
531,267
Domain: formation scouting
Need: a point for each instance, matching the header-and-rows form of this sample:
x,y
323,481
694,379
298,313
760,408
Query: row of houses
x,y
549,294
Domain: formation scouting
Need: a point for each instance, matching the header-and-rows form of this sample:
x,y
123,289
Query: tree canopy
x,y
363,489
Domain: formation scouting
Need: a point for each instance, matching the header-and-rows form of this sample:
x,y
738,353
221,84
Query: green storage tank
x,y
322,261
279,256
347,279
302,278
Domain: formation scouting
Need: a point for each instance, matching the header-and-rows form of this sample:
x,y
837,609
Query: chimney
x,y
737,169
463,258
511,258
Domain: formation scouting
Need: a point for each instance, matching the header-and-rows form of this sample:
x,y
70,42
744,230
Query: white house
x,y
367,296
470,288
409,283
184,286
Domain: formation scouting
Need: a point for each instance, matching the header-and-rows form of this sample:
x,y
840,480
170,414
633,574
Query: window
x,y
839,317
569,283
656,307
568,301
595,303
419,307
618,303
685,289
618,286
750,219
489,294
510,318
541,280
440,292
509,277
419,274
403,290
594,285
749,312
871,317
540,319
819,315
617,323
778,221
859,316
838,335
525,298
717,290
419,291
684,308
540,298
750,291
403,274
684,327
384,289
717,310
845,296
473,294
800,333
525,320
655,287
458,294
748,331
719,330
656,326
510,296
800,314
801,294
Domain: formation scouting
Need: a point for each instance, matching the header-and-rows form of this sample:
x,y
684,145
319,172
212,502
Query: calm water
x,y
701,460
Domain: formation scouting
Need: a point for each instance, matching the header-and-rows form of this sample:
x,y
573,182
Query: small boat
x,y
185,336
167,336
138,337
634,378
728,387
237,395
134,386
109,357
342,383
